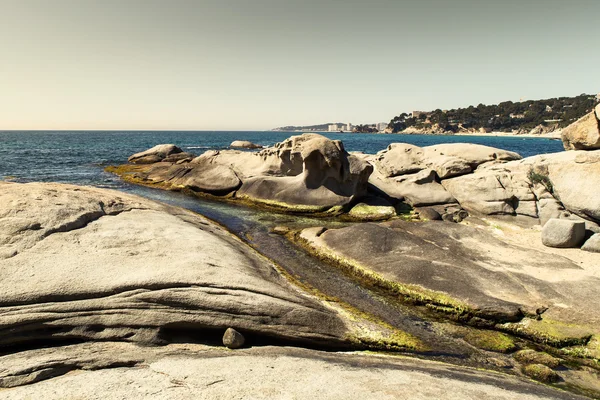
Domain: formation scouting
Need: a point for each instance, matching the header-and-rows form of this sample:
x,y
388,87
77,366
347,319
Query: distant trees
x,y
365,129
505,116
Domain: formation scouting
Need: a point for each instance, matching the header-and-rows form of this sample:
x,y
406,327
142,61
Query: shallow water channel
x,y
254,227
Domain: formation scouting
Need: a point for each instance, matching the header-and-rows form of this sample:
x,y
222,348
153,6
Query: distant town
x,y
526,117
338,127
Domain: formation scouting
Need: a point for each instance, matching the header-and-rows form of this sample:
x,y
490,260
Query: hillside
x,y
521,117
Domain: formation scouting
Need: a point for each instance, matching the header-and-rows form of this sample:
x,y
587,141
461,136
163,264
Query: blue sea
x,y
80,156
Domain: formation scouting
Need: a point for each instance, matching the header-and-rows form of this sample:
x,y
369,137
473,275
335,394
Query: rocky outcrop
x,y
557,185
306,173
154,154
583,134
80,263
244,144
126,371
471,274
413,174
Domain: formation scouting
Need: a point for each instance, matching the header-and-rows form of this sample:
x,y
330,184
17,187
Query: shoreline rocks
x,y
306,173
80,263
583,134
244,144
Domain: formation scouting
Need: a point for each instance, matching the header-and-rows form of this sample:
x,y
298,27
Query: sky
x,y
260,64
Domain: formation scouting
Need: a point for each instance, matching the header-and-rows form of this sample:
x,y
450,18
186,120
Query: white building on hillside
x,y
381,126
333,128
349,127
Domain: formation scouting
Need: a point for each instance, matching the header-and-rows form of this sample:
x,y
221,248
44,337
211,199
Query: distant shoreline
x,y
550,135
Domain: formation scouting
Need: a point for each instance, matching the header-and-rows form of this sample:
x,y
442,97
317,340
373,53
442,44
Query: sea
x,y
79,157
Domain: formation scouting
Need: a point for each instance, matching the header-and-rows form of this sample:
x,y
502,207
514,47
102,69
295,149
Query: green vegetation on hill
x,y
505,117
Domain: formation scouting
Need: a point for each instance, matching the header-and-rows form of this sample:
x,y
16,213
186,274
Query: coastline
x,y
549,135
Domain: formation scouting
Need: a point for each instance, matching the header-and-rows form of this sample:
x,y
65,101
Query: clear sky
x,y
259,64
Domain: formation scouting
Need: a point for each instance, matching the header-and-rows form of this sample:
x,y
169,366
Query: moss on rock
x,y
541,373
536,357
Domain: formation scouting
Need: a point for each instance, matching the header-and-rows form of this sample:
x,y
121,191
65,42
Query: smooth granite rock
x,y
583,134
154,154
180,372
592,244
467,267
81,263
305,173
244,144
563,233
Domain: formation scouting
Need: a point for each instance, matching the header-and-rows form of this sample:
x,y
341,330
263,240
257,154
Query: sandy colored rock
x,y
583,134
305,173
80,263
232,339
419,189
122,370
465,267
563,233
592,244
154,154
244,144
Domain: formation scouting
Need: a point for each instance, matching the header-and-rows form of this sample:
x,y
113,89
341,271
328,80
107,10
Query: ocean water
x,y
79,157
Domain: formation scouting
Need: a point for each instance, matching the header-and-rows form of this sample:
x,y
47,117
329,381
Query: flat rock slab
x,y
121,370
81,263
471,266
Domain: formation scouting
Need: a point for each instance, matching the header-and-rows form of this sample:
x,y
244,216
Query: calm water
x,y
79,157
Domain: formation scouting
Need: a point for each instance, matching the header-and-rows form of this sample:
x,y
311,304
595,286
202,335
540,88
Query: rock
x,y
155,154
536,357
419,189
563,233
429,214
541,373
280,230
372,209
447,160
576,183
306,173
399,159
187,371
583,134
244,144
492,192
179,157
232,339
80,263
454,159
592,244
464,269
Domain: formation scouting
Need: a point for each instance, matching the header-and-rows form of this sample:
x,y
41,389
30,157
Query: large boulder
x,y
583,134
306,173
418,189
244,144
470,272
563,233
592,244
454,159
85,264
494,191
154,154
447,160
413,174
